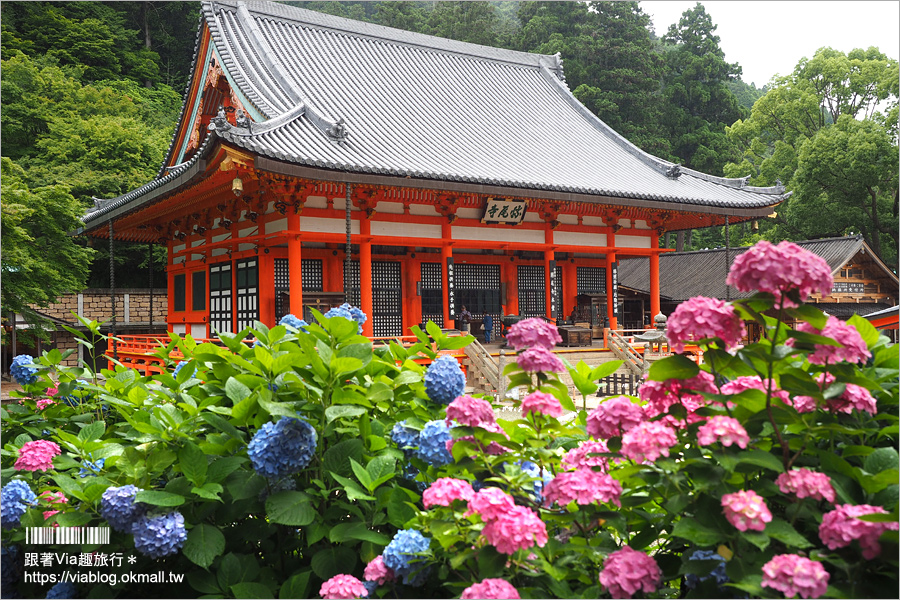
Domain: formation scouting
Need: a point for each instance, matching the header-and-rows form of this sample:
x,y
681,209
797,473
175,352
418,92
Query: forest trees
x,y
828,132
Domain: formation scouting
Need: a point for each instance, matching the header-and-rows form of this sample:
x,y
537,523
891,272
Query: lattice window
x,y
478,289
353,295
559,292
312,282
247,292
387,307
532,291
591,280
220,298
432,293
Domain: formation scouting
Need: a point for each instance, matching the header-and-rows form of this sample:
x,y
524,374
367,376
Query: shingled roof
x,y
683,275
347,96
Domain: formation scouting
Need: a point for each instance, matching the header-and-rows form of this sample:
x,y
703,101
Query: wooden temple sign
x,y
503,210
848,287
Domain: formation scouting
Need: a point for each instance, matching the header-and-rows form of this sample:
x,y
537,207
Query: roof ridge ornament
x,y
674,171
338,131
219,122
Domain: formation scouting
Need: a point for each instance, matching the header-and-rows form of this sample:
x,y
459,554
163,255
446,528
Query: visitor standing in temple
x,y
488,328
463,319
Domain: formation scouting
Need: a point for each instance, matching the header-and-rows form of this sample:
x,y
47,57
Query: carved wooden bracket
x,y
366,199
447,205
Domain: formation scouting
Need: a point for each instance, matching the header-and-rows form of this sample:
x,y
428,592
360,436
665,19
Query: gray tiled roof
x,y
683,275
425,107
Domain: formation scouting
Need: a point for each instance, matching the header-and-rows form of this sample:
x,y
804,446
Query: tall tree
x,y
699,104
828,132
40,260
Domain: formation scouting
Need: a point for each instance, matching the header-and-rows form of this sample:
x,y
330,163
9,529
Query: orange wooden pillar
x,y
295,266
411,301
569,288
512,287
654,278
548,275
446,255
365,273
267,288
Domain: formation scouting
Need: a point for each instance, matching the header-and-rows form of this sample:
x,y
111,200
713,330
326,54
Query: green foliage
x,y
40,261
828,133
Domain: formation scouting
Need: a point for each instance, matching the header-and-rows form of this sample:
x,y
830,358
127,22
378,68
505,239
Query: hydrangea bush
x,y
301,461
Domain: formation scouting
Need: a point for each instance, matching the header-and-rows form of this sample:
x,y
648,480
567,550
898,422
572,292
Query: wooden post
x,y
365,273
654,279
446,253
295,266
549,255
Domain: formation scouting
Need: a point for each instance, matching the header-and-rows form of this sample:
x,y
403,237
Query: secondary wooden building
x,y
319,159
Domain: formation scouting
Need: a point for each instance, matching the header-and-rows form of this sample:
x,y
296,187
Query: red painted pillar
x,y
548,259
365,273
512,289
267,289
569,288
295,266
446,252
654,278
170,313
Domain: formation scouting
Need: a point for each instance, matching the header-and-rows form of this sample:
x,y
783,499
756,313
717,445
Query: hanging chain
x,y
349,245
112,291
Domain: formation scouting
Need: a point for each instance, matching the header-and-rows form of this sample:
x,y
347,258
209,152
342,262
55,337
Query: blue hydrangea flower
x,y
118,507
370,586
159,535
91,469
76,400
282,448
692,580
356,314
63,589
406,438
402,555
444,380
292,321
15,498
23,370
535,471
433,443
180,366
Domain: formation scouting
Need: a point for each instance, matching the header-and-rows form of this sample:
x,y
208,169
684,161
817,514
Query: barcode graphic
x,y
67,535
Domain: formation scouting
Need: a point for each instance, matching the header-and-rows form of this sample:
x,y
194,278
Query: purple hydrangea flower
x,y
282,448
402,556
15,498
540,360
718,571
23,370
159,535
118,507
433,443
444,380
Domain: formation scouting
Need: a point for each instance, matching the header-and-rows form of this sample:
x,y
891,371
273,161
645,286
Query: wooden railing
x,y
484,364
622,348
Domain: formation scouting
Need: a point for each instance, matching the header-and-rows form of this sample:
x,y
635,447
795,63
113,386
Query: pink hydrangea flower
x,y
533,333
540,360
841,526
854,396
804,404
51,391
792,575
43,403
584,487
516,529
746,510
780,269
725,430
700,318
445,490
660,395
690,403
343,587
489,589
470,412
648,441
53,497
50,513
805,483
613,417
378,572
541,403
853,350
579,458
627,571
755,382
37,456
490,503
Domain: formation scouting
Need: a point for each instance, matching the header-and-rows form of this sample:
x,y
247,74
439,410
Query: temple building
x,y
319,159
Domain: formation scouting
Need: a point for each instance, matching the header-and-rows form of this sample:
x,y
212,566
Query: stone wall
x,y
132,306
